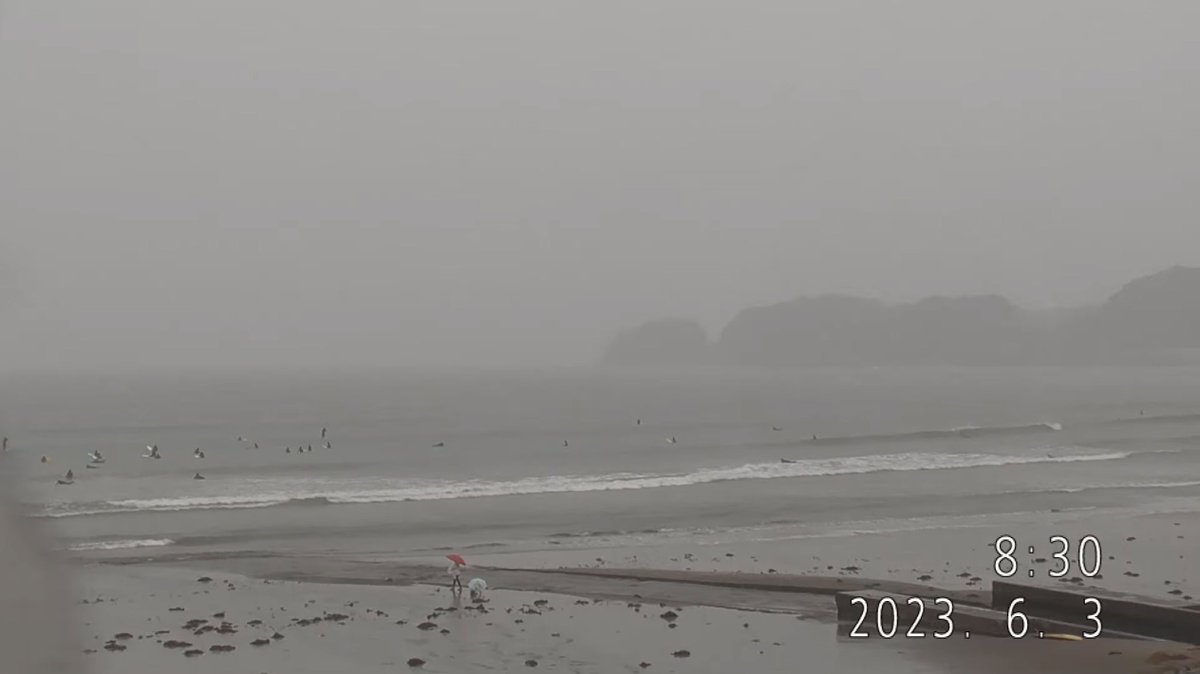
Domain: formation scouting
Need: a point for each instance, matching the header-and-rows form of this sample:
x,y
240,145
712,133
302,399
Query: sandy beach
x,y
689,609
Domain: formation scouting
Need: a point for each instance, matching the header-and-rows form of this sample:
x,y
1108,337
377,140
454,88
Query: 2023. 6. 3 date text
x,y
887,617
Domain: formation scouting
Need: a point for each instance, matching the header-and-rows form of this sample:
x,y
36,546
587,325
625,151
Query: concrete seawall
x,y
1119,612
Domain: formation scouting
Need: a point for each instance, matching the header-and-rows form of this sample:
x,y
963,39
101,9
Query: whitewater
x,y
305,491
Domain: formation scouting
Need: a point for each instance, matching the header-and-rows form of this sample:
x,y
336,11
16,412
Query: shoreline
x,y
803,592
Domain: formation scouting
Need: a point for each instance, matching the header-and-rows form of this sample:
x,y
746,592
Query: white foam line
x,y
428,491
121,545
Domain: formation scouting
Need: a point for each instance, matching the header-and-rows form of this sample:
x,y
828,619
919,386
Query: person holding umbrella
x,y
454,571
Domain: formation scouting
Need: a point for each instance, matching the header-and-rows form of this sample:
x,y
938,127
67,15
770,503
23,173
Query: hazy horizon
x,y
278,185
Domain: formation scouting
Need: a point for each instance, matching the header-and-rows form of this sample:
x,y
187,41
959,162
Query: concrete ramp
x,y
1127,613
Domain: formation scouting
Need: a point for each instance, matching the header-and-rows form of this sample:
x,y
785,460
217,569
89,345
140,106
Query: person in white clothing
x,y
476,588
454,571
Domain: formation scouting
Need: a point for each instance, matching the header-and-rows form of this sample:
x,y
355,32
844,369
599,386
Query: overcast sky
x,y
269,182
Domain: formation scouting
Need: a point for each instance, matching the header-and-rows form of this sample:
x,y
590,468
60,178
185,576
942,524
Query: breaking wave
x,y
959,432
312,494
121,545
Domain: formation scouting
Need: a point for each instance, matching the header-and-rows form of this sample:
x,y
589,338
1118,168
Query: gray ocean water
x,y
531,458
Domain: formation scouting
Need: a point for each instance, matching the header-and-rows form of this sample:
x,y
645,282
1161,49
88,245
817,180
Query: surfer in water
x,y
198,476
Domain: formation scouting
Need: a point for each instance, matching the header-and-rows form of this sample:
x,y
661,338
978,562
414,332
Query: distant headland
x,y
1152,319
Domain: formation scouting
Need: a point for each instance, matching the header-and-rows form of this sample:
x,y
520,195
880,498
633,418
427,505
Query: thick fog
x,y
272,183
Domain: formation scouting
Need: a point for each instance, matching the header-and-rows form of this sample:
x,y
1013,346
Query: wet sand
x,y
363,629
606,610
366,628
1152,555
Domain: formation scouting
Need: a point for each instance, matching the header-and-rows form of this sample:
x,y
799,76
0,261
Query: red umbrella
x,y
457,559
